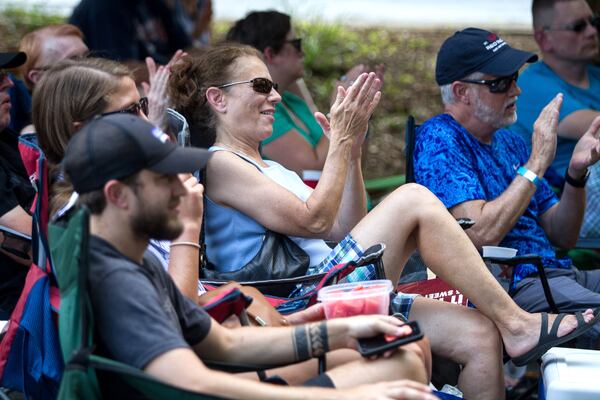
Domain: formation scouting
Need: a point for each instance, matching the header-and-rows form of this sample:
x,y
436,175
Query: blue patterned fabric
x,y
456,167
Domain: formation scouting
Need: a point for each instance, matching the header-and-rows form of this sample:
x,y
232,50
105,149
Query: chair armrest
x,y
529,259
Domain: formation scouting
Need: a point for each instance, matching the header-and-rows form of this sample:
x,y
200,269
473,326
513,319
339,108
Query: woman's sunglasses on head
x,y
259,85
134,109
498,85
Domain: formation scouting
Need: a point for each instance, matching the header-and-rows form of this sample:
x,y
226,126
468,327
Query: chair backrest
x,y
409,148
30,358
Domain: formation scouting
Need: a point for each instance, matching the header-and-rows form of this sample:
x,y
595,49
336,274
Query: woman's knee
x,y
414,196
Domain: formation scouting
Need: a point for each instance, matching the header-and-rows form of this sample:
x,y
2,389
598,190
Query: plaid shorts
x,y
349,250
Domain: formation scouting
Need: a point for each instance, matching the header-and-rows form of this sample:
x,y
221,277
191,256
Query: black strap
x,y
578,183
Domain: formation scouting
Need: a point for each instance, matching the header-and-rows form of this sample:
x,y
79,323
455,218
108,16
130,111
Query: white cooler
x,y
571,374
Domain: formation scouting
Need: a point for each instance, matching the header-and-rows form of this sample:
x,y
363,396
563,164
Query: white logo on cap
x,y
160,135
494,42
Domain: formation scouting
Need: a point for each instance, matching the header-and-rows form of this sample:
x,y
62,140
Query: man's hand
x,y
543,140
367,326
587,150
403,389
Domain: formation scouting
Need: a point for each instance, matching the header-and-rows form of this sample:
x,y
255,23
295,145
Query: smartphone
x,y
380,344
15,242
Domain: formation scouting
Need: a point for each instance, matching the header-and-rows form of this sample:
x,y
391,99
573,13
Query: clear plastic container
x,y
356,298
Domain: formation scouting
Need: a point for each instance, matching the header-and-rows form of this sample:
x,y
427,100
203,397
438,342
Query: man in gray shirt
x,y
133,192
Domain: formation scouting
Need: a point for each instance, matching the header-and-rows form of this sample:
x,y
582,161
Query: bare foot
x,y
526,337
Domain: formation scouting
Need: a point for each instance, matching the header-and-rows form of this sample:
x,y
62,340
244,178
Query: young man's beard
x,y
155,223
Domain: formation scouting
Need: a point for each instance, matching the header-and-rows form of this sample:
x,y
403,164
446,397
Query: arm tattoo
x,y
300,342
318,339
310,341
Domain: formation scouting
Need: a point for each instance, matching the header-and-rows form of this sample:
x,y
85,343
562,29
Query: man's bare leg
x,y
466,337
413,218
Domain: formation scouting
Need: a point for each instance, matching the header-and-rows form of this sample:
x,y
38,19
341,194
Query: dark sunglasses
x,y
134,109
296,43
579,26
259,85
498,85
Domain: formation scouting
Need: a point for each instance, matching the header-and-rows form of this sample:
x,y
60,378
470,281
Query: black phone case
x,y
377,345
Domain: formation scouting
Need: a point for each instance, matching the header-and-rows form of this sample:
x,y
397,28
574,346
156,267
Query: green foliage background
x,y
330,50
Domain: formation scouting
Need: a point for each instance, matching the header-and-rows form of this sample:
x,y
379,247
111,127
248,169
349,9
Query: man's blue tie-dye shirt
x,y
457,168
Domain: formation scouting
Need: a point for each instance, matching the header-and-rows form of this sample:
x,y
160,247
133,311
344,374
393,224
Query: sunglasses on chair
x,y
498,85
259,85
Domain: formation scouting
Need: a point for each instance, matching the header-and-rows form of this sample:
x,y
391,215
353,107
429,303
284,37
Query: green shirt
x,y
284,121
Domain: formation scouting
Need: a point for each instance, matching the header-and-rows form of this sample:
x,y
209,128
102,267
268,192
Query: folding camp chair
x,y
501,268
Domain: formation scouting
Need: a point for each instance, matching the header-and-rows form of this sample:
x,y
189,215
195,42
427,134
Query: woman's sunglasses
x,y
134,109
579,26
498,85
296,43
259,85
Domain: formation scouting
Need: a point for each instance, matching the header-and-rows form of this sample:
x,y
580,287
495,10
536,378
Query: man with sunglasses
x,y
567,35
482,171
16,195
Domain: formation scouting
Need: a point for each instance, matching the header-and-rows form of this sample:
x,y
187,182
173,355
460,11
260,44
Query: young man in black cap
x,y
484,172
127,176
16,196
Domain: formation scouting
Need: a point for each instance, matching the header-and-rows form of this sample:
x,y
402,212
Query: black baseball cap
x,y
120,145
477,50
12,60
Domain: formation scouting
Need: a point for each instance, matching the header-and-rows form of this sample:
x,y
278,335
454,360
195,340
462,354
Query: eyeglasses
x,y
259,85
498,85
296,43
134,109
579,26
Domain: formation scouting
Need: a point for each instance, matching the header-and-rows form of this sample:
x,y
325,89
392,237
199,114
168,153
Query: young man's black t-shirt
x,y
15,190
139,313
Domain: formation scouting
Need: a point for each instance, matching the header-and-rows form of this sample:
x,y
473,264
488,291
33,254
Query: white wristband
x,y
529,175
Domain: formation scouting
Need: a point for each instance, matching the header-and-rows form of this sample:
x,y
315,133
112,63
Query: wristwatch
x,y
578,183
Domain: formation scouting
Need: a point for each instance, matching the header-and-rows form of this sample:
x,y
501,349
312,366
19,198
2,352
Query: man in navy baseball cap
x,y
483,171
120,145
476,50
